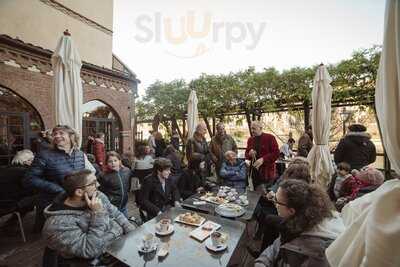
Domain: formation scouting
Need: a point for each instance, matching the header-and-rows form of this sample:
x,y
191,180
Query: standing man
x,y
100,150
219,145
262,149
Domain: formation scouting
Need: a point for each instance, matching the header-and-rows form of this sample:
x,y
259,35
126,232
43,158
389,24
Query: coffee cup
x,y
148,240
164,225
218,238
243,198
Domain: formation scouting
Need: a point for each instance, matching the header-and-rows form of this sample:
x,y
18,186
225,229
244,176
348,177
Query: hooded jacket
x,y
308,249
356,149
83,233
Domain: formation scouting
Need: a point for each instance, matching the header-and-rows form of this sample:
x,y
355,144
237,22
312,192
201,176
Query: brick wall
x,y
35,88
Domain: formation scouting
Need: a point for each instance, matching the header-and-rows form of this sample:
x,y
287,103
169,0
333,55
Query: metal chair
x,y
8,207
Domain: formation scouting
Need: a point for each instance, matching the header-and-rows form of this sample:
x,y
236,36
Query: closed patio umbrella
x,y
192,113
373,230
68,95
319,156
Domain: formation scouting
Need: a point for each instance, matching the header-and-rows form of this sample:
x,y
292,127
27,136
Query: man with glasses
x,y
50,166
82,221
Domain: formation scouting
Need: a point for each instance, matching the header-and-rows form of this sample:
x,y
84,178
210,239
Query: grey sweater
x,y
83,233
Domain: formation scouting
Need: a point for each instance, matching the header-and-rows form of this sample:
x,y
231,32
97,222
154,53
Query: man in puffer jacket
x,y
82,222
356,148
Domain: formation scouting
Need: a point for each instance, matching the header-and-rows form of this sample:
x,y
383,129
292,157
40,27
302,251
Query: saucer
x,y
211,247
170,231
141,248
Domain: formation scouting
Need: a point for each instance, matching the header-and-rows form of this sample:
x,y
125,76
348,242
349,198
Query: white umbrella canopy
x,y
387,91
319,156
192,113
67,92
373,230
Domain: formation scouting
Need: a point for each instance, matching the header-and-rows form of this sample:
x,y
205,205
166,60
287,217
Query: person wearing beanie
x,y
356,148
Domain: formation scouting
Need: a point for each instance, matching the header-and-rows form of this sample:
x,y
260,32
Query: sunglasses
x,y
276,202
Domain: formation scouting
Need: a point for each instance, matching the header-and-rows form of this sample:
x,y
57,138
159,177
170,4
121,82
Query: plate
x,y
210,246
230,210
202,220
212,200
170,231
142,250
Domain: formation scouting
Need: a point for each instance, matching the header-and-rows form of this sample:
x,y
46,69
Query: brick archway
x,y
119,103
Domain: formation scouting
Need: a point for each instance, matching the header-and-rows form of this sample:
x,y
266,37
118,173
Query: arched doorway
x,y
20,125
99,117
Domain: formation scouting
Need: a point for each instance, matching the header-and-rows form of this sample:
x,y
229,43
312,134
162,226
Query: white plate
x,y
210,246
177,219
170,231
141,249
221,210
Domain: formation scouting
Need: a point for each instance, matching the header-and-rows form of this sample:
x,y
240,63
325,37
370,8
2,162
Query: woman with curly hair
x,y
309,225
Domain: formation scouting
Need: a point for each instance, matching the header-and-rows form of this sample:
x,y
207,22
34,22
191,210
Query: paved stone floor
x,y
15,253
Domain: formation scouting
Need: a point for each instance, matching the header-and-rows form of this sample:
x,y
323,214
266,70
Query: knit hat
x,y
371,176
357,128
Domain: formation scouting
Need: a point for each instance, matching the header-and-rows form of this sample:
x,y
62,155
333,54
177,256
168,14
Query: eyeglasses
x,y
276,202
90,184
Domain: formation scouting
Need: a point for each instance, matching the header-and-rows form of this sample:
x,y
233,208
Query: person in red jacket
x,y
100,150
262,150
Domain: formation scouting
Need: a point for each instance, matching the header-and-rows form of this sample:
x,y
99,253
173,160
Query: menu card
x,y
204,231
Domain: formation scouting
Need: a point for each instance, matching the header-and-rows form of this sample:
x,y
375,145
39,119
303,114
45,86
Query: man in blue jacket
x,y
233,171
51,166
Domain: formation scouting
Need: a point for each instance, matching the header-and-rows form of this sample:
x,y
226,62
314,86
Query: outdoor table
x,y
183,249
252,196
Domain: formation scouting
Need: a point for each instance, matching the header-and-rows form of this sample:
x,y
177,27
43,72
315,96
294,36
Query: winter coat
x,y
82,232
11,185
308,249
189,182
356,149
219,146
269,151
48,170
160,147
154,199
100,153
175,159
234,175
116,186
197,145
304,146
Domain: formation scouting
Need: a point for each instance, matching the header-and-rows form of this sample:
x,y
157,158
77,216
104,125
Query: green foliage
x,y
255,92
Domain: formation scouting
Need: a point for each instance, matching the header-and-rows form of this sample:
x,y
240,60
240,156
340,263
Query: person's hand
x,y
252,153
258,163
95,203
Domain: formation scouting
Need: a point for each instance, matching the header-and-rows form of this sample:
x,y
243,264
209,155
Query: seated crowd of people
x,y
81,200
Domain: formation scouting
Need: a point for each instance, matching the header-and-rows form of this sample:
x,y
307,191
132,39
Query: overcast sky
x,y
173,39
